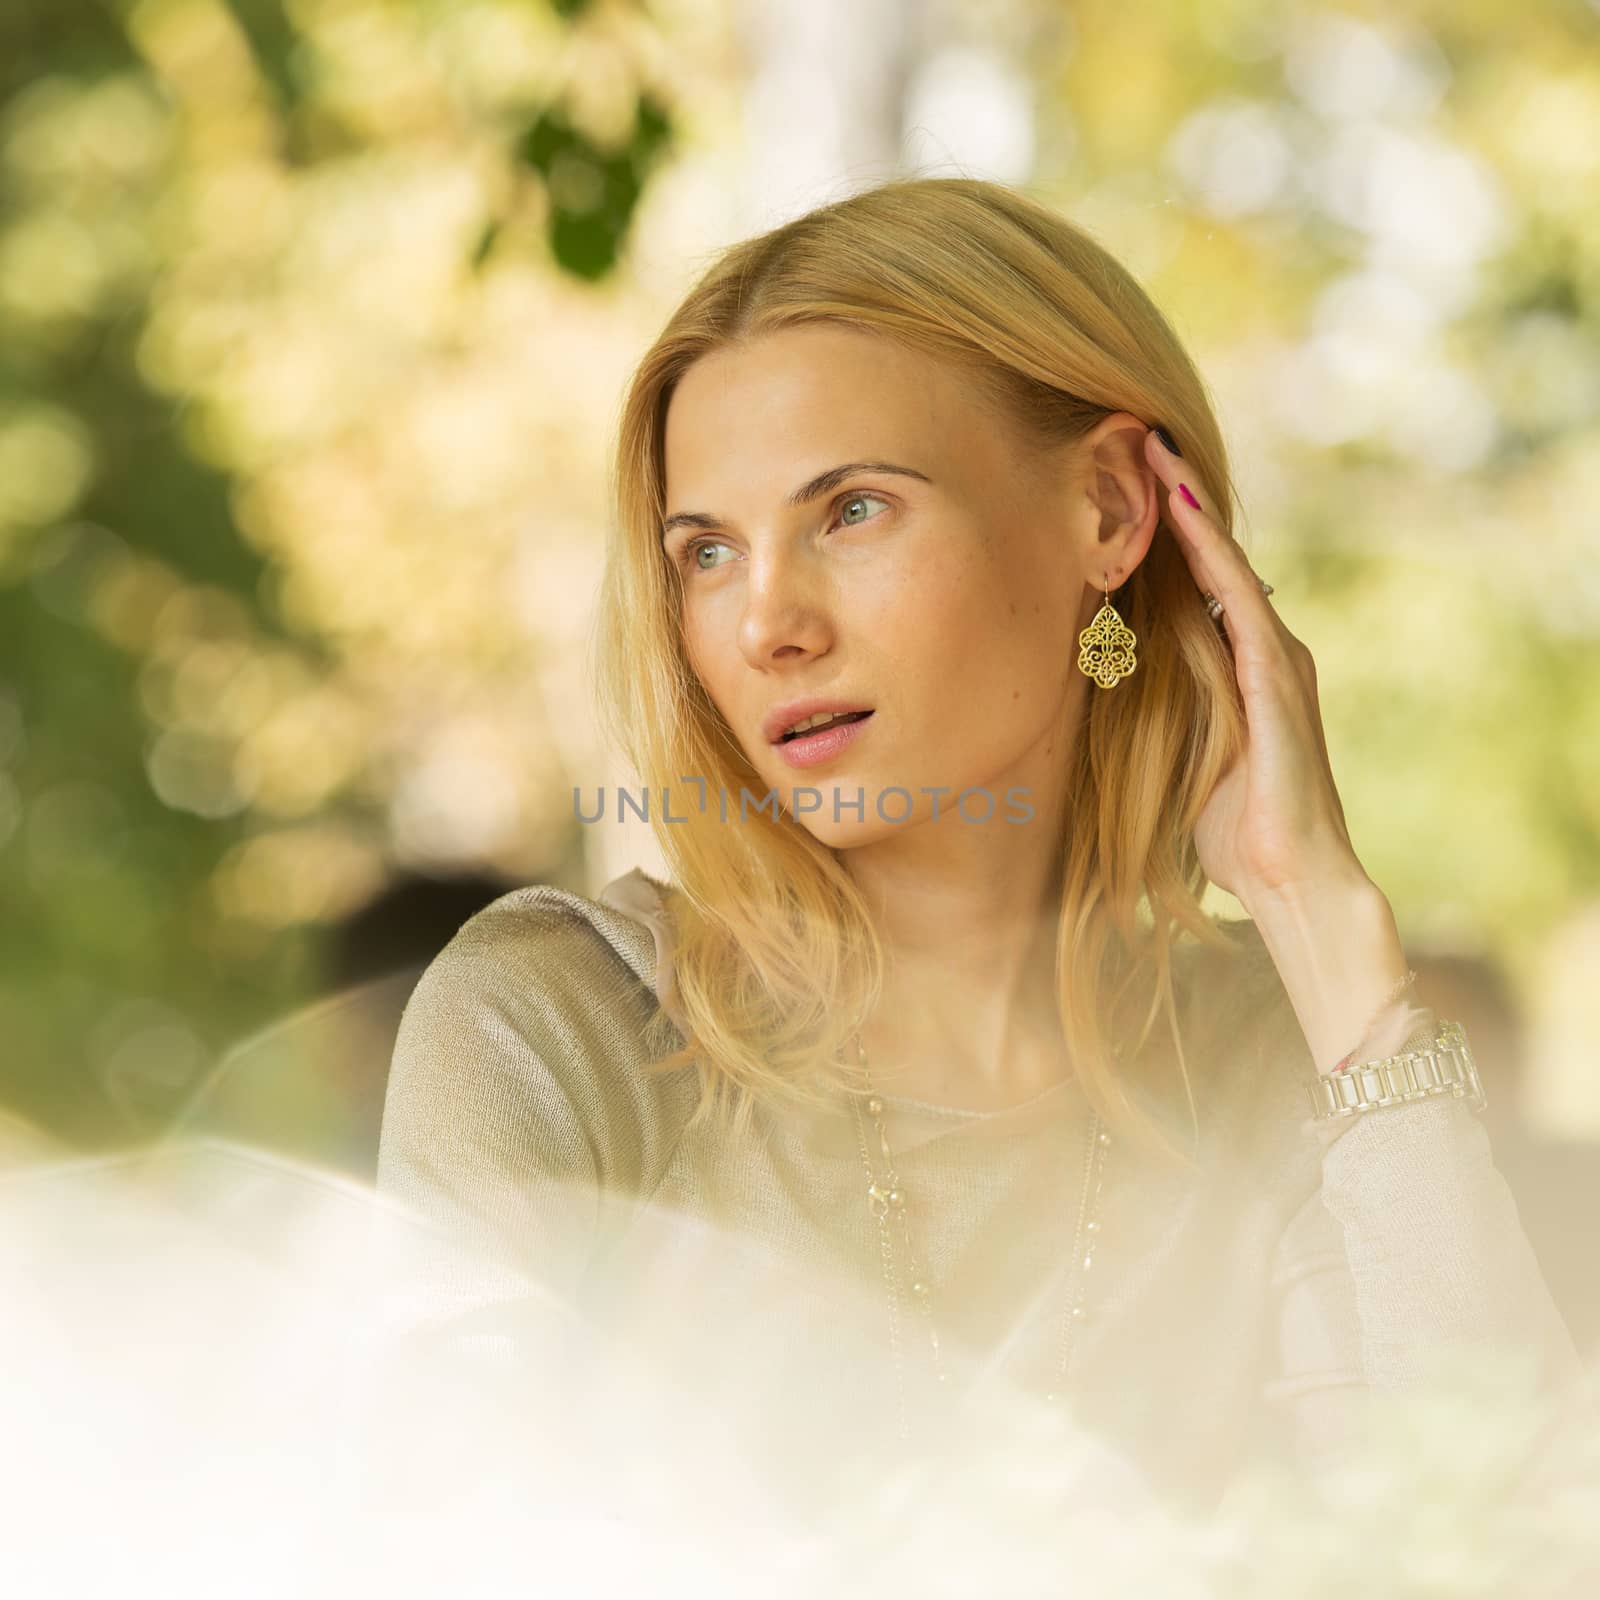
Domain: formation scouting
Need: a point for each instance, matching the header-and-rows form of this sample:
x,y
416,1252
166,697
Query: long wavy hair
x,y
776,959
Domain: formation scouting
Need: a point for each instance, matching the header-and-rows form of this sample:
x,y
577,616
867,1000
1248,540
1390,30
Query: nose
x,y
787,610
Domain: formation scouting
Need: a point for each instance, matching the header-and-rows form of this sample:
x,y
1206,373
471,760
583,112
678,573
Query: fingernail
x,y
1167,439
1183,489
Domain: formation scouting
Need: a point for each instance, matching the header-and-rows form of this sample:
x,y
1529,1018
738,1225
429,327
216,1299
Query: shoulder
x,y
540,1006
557,953
556,938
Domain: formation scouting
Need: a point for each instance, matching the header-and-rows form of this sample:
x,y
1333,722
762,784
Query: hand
x,y
1273,828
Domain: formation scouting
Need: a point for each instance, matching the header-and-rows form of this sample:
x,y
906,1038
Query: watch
x,y
1442,1064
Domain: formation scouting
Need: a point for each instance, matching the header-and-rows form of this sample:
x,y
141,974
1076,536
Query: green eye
x,y
691,551
858,499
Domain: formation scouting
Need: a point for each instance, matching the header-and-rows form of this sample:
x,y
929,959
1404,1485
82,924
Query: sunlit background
x,y
314,321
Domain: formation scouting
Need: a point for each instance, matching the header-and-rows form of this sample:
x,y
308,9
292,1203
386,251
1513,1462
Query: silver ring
x,y
1214,607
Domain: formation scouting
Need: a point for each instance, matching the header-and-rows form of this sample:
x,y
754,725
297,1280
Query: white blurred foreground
x,y
215,1384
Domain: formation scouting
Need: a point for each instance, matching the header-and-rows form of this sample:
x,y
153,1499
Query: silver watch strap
x,y
1443,1065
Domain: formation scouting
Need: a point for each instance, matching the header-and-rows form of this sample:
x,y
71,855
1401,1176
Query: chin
x,y
855,824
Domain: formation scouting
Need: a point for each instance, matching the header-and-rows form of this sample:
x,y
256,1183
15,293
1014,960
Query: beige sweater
x,y
1252,1306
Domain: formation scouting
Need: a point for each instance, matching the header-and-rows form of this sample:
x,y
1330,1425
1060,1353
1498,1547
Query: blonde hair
x,y
776,960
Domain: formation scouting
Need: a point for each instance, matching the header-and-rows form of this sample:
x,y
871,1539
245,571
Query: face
x,y
942,585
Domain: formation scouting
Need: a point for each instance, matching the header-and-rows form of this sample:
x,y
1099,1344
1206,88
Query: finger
x,y
1225,570
1198,570
1201,555
1221,555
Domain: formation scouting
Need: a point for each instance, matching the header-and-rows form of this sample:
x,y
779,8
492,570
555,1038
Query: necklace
x,y
888,1196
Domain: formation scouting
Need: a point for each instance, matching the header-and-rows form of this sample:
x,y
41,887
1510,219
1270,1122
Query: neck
x,y
968,1014
968,915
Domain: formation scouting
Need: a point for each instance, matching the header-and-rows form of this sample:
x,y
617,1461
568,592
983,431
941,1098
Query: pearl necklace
x,y
889,1196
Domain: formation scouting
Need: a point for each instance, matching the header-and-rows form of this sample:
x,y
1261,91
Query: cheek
x,y
943,639
701,652
996,656
986,615
716,663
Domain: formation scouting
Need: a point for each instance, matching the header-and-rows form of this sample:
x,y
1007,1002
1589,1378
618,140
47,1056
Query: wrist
x,y
1341,888
1339,955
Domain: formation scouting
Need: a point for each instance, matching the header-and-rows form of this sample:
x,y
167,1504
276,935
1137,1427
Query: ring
x,y
1214,606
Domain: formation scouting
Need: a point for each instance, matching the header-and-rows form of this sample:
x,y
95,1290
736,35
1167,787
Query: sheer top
x,y
1249,1305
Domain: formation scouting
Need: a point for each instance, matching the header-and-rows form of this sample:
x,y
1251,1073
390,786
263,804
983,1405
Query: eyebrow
x,y
812,490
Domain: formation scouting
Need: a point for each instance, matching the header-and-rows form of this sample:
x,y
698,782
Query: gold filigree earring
x,y
1105,647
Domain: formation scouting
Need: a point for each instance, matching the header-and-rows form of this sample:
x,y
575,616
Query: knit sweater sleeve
x,y
516,1122
1402,1250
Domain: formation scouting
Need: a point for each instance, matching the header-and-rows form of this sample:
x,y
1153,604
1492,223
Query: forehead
x,y
810,392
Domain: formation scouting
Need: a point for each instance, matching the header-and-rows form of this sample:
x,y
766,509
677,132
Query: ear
x,y
1126,493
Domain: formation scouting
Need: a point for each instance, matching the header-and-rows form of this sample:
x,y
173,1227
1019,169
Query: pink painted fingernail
x,y
1183,489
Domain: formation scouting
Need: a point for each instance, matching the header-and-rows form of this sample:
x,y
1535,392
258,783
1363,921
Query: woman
x,y
953,1034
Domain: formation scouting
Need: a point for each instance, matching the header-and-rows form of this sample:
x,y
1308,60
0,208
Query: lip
x,y
811,749
785,716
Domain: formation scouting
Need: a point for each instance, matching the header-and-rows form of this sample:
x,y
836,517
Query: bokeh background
x,y
314,321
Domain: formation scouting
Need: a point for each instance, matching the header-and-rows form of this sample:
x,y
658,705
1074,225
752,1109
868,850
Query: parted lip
x,y
780,719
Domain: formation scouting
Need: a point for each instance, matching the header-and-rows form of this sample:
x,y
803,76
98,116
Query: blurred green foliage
x,y
121,976
313,315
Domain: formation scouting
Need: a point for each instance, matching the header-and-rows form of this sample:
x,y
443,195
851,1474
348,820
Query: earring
x,y
1105,647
